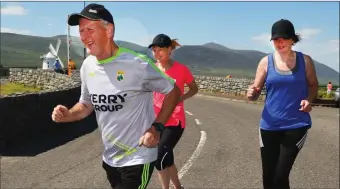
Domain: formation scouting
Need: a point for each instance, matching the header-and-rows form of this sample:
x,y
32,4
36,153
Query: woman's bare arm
x,y
312,79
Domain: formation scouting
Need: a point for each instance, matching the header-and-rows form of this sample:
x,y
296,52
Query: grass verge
x,y
11,88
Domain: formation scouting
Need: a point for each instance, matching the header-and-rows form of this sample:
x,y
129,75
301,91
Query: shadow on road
x,y
54,136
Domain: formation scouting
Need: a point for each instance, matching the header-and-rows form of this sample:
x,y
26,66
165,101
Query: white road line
x,y
189,113
198,122
194,156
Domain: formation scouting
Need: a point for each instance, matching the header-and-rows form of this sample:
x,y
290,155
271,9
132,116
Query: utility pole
x,y
68,39
84,45
68,43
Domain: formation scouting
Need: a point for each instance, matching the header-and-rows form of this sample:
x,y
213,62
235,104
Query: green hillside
x,y
23,50
209,59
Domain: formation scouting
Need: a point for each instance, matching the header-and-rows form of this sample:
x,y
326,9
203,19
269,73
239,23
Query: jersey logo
x,y
120,75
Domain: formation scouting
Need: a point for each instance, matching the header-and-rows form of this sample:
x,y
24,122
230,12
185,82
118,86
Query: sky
x,y
236,25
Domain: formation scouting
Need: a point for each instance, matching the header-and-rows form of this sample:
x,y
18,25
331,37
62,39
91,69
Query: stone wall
x,y
46,80
227,86
29,114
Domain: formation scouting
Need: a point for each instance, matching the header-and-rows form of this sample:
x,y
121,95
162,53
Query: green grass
x,y
10,88
322,94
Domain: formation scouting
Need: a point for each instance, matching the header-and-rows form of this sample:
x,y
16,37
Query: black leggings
x,y
279,150
169,138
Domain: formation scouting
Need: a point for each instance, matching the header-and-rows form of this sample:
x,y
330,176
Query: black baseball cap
x,y
92,11
283,29
161,40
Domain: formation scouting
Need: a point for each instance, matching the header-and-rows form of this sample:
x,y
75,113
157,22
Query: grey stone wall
x,y
50,81
46,80
227,86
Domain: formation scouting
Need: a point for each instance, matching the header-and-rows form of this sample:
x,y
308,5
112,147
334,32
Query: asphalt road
x,y
222,135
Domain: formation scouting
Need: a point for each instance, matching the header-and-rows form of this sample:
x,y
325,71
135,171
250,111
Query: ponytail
x,y
174,44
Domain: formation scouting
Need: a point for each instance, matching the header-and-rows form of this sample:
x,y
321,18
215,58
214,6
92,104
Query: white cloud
x,y
264,38
14,10
17,31
318,48
326,52
308,33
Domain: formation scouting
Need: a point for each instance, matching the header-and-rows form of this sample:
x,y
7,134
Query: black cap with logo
x,y
283,29
92,11
161,40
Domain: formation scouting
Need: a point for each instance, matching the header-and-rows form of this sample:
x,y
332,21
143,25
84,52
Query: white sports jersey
x,y
120,90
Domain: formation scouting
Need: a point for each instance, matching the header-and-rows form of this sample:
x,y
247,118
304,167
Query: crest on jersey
x,y
120,75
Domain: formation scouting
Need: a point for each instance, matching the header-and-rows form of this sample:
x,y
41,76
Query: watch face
x,y
158,126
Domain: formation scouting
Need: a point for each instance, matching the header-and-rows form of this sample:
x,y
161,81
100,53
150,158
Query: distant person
x,y
57,67
162,47
71,66
329,88
117,83
291,85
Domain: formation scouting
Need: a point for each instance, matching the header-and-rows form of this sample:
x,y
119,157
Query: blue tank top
x,y
285,90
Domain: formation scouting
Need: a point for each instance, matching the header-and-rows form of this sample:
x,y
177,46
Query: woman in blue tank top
x,y
291,85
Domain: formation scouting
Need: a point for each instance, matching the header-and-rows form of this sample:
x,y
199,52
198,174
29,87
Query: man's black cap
x,y
161,40
283,29
92,11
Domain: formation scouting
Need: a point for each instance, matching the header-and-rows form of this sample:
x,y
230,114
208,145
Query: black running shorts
x,y
129,177
169,138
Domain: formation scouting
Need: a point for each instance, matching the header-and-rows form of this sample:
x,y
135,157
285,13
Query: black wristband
x,y
159,126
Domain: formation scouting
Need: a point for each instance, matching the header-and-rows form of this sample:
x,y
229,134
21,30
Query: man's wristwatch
x,y
159,126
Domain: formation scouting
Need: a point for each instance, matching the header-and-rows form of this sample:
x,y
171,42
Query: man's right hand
x,y
60,114
150,139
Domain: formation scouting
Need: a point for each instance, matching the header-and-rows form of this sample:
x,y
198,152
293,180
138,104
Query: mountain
x,y
208,59
25,50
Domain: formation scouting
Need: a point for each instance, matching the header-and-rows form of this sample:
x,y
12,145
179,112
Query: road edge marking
x,y
194,155
189,113
198,122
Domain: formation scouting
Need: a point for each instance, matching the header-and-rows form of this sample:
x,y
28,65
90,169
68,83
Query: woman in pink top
x,y
162,47
329,88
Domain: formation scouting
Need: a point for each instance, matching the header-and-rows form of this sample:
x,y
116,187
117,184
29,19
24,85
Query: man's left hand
x,y
305,106
150,139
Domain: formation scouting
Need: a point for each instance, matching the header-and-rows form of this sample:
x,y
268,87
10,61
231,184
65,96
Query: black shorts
x,y
169,138
129,177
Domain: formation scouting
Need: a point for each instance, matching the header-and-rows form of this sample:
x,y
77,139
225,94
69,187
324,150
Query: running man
x,y
291,85
117,84
162,47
